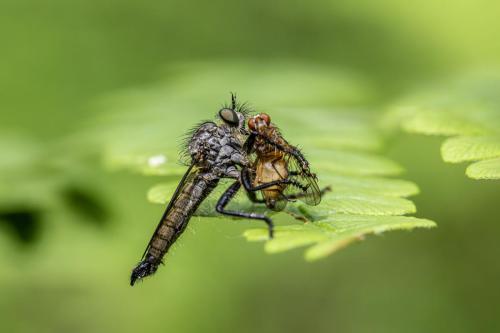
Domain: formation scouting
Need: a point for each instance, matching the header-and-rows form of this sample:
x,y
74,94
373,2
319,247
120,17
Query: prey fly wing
x,y
305,183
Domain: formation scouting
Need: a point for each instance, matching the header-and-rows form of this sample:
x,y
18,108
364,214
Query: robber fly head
x,y
259,122
234,115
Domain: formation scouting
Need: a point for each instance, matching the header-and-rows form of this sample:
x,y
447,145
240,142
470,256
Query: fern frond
x,y
340,143
468,110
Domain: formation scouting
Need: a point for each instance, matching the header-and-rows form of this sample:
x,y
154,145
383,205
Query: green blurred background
x,y
65,267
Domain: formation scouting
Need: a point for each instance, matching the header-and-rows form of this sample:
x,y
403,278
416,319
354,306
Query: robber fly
x,y
277,162
215,151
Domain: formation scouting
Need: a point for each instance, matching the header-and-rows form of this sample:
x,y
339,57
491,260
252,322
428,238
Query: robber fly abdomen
x,y
207,149
175,220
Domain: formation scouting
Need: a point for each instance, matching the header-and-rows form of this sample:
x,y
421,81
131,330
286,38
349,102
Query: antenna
x,y
233,101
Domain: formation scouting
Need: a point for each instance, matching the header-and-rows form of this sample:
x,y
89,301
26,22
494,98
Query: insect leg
x,y
247,182
290,150
228,196
299,195
248,145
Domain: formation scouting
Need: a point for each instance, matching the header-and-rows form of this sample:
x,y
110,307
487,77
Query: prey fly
x,y
280,171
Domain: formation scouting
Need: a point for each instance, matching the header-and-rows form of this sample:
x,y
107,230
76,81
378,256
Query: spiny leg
x,y
245,176
299,195
247,182
287,149
228,195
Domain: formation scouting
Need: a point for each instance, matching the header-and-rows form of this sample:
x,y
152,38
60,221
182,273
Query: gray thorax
x,y
218,150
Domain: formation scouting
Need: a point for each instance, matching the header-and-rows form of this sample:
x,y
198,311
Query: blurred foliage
x,y
58,57
468,109
39,179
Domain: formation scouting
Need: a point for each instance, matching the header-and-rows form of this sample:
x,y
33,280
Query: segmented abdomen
x,y
176,219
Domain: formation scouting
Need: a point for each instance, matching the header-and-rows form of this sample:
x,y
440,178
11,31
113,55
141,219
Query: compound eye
x,y
251,124
266,118
229,116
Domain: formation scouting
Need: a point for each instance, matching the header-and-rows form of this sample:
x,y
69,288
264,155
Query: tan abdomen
x,y
268,170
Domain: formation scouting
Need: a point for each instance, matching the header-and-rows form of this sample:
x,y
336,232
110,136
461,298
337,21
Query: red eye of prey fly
x,y
251,124
265,117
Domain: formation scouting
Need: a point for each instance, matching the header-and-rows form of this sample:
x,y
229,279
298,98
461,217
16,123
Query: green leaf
x,y
353,163
161,193
487,169
440,122
358,203
333,233
382,186
469,110
461,149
